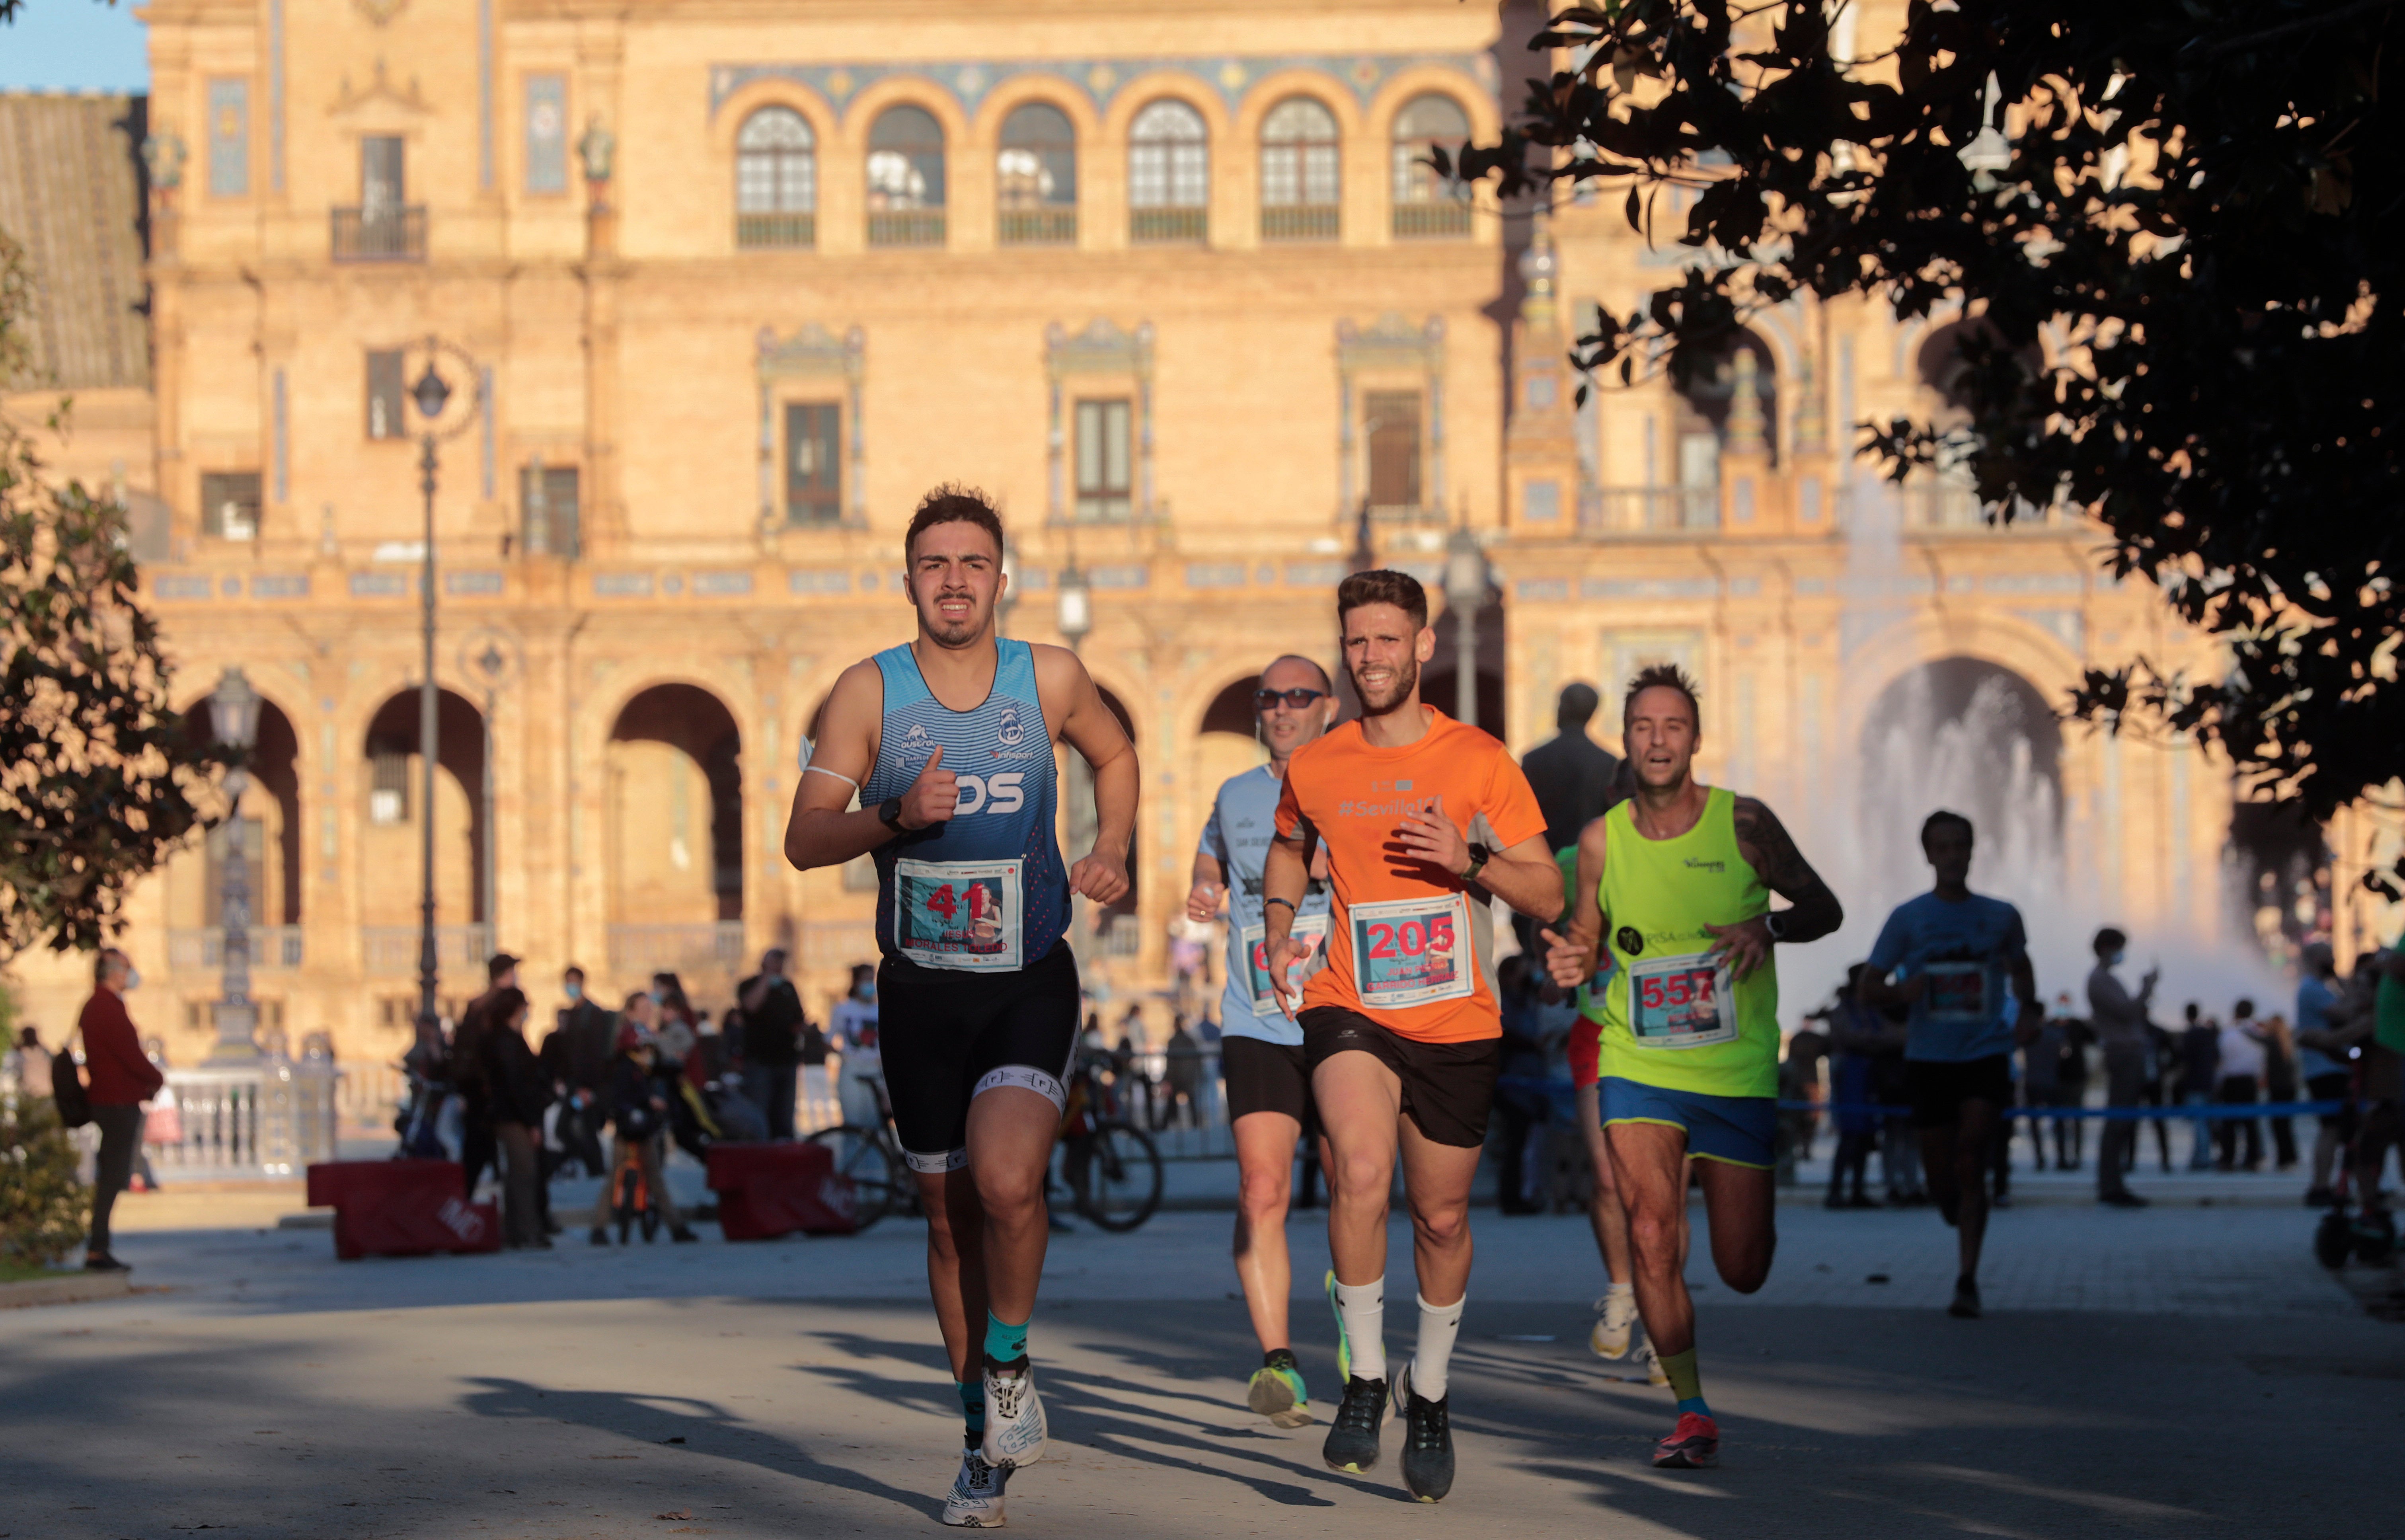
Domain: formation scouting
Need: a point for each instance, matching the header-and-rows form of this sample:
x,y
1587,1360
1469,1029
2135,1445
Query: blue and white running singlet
x,y
985,892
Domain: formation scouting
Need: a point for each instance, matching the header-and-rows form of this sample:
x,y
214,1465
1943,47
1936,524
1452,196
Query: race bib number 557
x,y
1681,1002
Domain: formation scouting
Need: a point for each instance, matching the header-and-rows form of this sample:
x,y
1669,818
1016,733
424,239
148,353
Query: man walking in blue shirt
x,y
1260,1053
1962,966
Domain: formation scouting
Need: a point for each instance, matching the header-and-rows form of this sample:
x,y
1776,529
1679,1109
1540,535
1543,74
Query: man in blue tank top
x,y
936,757
1260,1051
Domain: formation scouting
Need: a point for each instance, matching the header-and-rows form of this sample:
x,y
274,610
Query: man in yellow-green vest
x,y
1689,1050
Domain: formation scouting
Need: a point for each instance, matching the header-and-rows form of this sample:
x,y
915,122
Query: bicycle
x,y
630,1197
1112,1168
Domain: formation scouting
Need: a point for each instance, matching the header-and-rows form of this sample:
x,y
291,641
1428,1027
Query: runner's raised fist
x,y
1202,901
933,797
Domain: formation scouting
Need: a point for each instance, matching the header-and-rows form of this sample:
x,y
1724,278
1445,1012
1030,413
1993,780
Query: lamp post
x,y
1465,595
233,719
431,395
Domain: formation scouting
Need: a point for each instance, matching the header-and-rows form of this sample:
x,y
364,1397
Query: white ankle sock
x,y
1432,1360
1363,1307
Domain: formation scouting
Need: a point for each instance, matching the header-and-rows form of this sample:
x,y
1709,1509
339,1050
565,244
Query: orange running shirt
x,y
1412,947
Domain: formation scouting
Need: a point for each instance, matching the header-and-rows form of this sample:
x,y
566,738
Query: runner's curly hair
x,y
1381,587
1667,676
953,503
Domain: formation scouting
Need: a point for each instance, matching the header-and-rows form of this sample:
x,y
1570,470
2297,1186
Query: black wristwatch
x,y
889,812
1776,924
1479,856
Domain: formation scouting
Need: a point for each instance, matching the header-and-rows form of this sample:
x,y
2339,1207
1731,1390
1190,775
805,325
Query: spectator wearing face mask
x,y
576,1055
2119,1019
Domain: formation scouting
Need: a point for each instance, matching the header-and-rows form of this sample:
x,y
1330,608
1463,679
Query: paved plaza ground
x,y
2181,1371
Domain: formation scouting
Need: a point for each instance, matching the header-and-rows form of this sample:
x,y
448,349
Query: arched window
x,y
1299,180
1036,177
905,178
776,180
1169,174
1427,206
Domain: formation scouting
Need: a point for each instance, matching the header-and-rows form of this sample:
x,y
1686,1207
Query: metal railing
x,y
674,948
382,235
773,231
1036,227
1281,223
272,947
1168,226
1437,221
906,226
269,1118
1639,510
393,949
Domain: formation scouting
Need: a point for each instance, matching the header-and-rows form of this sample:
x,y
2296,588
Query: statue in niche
x,y
596,150
163,157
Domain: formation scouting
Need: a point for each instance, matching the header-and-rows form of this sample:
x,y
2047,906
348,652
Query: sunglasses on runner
x,y
1264,700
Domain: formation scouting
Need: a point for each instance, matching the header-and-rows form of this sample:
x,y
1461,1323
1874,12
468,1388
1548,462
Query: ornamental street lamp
x,y
1465,595
1075,605
233,719
431,395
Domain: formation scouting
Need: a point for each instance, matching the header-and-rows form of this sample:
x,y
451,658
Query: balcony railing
x,y
272,947
1285,224
906,226
1435,222
380,235
1036,227
1168,226
771,231
1640,510
270,1117
676,949
393,949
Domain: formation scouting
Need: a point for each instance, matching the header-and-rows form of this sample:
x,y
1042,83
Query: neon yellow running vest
x,y
1671,1018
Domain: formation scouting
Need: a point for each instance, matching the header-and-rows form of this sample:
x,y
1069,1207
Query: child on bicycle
x,y
638,1105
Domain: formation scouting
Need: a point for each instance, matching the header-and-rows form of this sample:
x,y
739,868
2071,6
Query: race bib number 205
x,y
1412,951
958,914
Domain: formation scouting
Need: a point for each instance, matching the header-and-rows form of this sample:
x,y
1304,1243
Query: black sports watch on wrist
x,y
889,812
1776,923
1479,856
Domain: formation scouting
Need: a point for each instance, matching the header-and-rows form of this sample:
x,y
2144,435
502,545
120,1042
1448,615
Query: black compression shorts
x,y
1448,1088
1937,1088
1267,1076
949,1035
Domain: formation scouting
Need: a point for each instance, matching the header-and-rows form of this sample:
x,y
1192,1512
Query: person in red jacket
x,y
121,1079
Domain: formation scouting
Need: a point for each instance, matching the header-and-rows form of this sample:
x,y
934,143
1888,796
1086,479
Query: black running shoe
x,y
1353,1438
1427,1441
1966,1300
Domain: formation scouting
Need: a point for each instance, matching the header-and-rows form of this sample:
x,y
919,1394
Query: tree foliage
x,y
98,781
2184,240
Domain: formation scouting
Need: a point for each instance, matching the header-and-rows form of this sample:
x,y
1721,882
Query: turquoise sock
x,y
1004,1342
973,1406
1694,1403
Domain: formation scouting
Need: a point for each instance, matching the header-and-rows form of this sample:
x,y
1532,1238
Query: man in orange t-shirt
x,y
1427,822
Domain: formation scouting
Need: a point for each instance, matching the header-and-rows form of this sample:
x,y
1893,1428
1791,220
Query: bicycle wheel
x,y
1115,1176
875,1175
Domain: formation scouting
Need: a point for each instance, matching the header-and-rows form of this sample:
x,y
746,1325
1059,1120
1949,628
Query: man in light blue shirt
x,y
2325,1078
1260,1053
1962,966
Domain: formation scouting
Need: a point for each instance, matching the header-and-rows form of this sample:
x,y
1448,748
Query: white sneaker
x,y
975,1501
1615,1314
1652,1362
1014,1419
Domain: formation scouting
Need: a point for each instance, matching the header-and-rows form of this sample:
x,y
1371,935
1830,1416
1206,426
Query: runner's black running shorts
x,y
1267,1076
1937,1088
948,1034
1448,1088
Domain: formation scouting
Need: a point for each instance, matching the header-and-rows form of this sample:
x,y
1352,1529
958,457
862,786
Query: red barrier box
x,y
402,1209
770,1190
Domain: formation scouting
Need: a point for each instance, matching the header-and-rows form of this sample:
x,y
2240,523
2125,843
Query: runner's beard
x,y
1407,679
950,634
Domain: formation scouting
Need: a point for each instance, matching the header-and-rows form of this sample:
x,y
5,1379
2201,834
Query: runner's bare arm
x,y
1571,948
1284,875
1202,899
1087,727
1764,845
820,831
2032,1017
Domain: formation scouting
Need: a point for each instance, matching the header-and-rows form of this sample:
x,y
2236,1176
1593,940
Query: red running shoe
x,y
1693,1444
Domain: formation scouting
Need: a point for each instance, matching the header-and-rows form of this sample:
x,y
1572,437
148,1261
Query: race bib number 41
x,y
958,914
1311,929
1412,951
1681,1002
